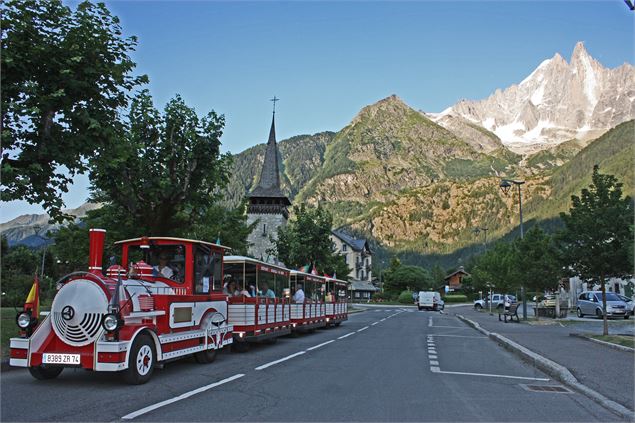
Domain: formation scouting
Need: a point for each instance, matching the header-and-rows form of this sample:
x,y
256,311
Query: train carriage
x,y
311,313
168,304
336,302
259,310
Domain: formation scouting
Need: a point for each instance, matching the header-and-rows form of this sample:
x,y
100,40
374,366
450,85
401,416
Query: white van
x,y
430,300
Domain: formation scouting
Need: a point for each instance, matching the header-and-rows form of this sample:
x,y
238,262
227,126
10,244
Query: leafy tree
x,y
18,267
306,239
496,267
64,74
597,240
408,278
438,275
166,171
228,226
537,260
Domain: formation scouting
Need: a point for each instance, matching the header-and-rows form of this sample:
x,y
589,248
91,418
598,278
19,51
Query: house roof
x,y
459,270
356,244
269,182
363,286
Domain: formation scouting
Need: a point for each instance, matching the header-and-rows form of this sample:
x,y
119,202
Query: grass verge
x,y
623,340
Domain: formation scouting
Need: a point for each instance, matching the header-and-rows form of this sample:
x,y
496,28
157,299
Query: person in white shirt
x,y
298,297
162,268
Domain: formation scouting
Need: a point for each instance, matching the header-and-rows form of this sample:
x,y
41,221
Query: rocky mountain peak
x,y
556,102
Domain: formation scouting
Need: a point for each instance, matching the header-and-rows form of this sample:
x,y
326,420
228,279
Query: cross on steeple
x,y
274,99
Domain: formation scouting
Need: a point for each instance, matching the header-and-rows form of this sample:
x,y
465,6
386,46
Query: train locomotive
x,y
166,300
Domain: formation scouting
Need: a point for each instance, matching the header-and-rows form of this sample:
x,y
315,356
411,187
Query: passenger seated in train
x,y
298,297
328,297
230,288
266,291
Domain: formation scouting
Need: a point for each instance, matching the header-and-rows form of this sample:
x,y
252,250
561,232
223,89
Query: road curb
x,y
607,344
553,369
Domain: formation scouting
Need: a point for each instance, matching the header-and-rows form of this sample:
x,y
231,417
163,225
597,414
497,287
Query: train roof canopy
x,y
163,238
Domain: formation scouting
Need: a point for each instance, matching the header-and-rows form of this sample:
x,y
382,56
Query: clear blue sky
x,y
327,60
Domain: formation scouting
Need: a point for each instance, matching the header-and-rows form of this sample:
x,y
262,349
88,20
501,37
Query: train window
x,y
207,270
167,261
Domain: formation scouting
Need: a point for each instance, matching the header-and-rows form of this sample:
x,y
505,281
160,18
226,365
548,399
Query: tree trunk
x,y
604,317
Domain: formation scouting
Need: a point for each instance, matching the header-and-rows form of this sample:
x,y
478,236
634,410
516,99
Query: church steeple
x,y
268,206
269,183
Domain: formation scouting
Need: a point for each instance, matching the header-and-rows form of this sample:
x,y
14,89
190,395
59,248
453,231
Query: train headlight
x,y
110,322
24,320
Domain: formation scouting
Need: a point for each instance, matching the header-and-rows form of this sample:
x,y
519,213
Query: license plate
x,y
60,359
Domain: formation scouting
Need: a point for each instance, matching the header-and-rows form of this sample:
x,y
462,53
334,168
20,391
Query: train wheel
x,y
206,356
43,373
141,361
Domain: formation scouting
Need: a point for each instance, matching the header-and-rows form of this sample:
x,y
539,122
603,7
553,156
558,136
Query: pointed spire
x,y
269,182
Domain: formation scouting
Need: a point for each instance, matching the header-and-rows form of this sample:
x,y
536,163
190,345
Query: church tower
x,y
267,204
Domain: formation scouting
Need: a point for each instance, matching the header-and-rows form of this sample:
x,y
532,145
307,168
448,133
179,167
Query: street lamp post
x,y
505,186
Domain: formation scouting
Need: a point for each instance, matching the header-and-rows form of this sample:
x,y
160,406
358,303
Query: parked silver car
x,y
630,304
590,303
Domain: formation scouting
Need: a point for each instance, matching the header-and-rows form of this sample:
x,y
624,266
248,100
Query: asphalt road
x,y
387,364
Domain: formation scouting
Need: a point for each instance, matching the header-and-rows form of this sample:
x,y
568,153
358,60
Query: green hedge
x,y
405,297
455,298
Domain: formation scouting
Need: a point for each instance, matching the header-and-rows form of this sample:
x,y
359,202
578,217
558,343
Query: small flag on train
x,y
314,271
32,302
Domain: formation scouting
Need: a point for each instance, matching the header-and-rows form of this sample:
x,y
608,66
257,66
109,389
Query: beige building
x,y
359,259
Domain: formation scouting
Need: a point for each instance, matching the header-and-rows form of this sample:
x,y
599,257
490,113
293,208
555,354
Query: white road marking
x,y
264,366
432,356
382,319
364,328
487,375
373,324
434,363
429,322
434,369
348,334
462,336
454,327
432,352
320,345
179,398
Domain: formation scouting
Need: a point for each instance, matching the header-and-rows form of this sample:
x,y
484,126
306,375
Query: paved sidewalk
x,y
608,371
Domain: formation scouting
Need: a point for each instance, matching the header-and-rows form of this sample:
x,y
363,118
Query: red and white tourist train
x,y
169,298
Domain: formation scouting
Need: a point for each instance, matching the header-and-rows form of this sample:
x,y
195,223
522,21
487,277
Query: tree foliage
x,y
65,75
408,278
597,240
306,239
598,236
496,268
537,261
166,171
18,268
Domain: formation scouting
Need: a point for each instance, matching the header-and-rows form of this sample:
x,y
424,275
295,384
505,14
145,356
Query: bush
x,y
406,297
455,298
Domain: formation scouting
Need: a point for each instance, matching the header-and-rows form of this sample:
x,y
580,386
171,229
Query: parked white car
x,y
498,301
